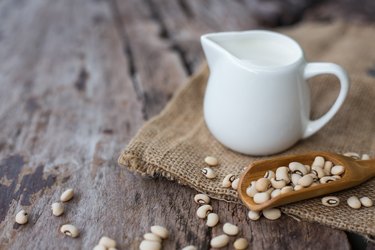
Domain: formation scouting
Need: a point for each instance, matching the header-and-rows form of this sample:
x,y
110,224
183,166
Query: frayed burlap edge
x,y
136,165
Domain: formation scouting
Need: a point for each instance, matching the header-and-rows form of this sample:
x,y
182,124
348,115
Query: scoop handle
x,y
369,165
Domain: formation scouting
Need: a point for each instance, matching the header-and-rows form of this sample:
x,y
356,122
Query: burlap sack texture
x,y
174,143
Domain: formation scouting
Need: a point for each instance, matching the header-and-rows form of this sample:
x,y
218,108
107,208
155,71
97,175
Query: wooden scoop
x,y
356,172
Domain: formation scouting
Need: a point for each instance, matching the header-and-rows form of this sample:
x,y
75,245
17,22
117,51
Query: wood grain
x,y
77,80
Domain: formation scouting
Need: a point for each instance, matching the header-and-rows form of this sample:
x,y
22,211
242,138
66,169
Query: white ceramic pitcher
x,y
257,99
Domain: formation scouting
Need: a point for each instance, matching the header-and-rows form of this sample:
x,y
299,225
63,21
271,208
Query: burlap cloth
x,y
174,143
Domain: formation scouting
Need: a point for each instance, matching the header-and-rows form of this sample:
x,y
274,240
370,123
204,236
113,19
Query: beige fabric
x,y
174,143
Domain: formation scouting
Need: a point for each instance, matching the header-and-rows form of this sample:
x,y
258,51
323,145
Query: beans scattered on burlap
x,y
366,201
235,183
330,201
228,180
209,173
210,160
354,202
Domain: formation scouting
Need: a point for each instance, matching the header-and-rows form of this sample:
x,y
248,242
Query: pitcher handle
x,y
313,69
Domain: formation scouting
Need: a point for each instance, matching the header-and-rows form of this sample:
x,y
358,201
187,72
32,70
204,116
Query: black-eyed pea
x,y
251,190
230,229
275,193
253,215
235,183
150,245
318,162
365,157
305,181
278,184
366,202
353,155
210,160
228,180
219,241
201,199
327,179
272,213
315,178
107,242
337,170
269,174
57,208
22,217
318,172
151,237
295,178
69,230
354,202
297,168
67,195
308,168
161,231
327,167
282,173
286,189
270,190
261,197
212,219
240,244
209,173
330,201
262,184
203,211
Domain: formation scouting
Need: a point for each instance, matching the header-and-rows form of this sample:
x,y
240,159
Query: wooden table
x,y
78,78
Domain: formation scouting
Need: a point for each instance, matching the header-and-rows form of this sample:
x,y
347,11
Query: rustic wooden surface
x,y
78,78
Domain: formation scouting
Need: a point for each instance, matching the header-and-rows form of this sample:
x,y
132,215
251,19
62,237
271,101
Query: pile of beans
x,y
295,177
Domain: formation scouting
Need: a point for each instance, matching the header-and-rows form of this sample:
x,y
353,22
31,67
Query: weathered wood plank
x,y
67,108
156,69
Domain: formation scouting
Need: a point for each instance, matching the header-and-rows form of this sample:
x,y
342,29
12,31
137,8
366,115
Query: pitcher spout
x,y
212,50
